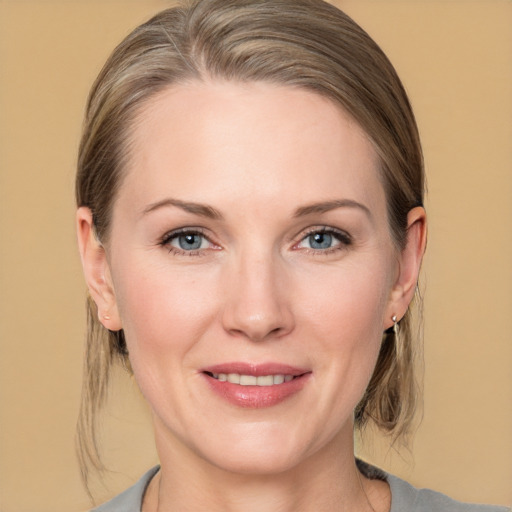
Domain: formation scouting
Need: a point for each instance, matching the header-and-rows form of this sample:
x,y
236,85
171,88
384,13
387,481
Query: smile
x,y
255,386
252,380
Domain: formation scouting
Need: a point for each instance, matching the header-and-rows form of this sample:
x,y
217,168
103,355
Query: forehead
x,y
201,139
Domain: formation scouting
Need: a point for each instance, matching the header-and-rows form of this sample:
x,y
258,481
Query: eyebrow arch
x,y
196,208
326,206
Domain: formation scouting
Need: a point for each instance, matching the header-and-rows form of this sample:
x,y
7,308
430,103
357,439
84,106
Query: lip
x,y
256,369
256,397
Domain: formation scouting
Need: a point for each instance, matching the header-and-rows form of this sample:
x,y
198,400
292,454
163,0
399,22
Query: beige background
x,y
455,59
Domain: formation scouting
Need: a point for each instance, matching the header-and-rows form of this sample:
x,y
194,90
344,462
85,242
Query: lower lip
x,y
256,397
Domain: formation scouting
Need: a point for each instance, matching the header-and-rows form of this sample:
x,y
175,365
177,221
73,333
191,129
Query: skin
x,y
257,290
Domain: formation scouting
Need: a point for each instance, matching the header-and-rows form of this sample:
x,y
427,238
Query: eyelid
x,y
169,236
341,235
323,229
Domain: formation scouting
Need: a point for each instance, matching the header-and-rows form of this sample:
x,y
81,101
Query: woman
x,y
251,225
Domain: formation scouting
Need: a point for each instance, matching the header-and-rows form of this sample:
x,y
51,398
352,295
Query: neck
x,y
328,481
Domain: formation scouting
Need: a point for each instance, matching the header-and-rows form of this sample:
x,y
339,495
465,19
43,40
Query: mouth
x,y
255,386
252,380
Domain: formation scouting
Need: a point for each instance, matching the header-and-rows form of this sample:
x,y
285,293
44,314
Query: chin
x,y
255,462
256,451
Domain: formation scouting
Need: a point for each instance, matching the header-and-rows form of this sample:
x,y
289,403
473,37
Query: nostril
x,y
263,334
257,316
276,331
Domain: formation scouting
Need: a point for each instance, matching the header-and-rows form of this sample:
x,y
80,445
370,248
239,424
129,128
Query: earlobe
x,y
96,270
410,263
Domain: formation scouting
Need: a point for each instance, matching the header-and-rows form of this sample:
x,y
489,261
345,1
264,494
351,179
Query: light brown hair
x,y
308,44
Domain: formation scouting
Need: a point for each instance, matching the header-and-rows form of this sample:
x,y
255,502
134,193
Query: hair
x,y
306,44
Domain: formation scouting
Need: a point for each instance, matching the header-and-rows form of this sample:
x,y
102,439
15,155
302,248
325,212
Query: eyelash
x,y
169,237
342,237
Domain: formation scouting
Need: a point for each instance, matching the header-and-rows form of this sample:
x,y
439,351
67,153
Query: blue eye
x,y
324,240
186,241
189,242
320,241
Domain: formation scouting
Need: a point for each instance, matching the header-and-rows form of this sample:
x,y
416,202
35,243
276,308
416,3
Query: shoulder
x,y
131,499
406,498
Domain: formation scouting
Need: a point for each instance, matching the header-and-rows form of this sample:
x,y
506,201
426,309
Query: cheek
x,y
345,301
162,309
165,316
344,314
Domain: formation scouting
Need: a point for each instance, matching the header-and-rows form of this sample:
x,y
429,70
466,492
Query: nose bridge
x,y
257,305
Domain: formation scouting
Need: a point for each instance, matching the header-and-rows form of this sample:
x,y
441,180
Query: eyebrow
x,y
326,206
195,208
208,211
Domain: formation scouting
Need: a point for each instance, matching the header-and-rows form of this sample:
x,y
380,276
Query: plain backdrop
x,y
455,58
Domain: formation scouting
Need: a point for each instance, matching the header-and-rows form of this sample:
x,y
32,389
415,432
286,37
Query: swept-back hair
x,y
308,44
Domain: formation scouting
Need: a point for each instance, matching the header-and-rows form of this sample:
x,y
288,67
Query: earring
x,y
106,317
397,340
395,325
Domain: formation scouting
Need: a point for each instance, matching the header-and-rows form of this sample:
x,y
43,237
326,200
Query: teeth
x,y
248,380
251,380
234,378
264,380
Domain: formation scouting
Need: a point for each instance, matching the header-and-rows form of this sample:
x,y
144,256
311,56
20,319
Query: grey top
x,y
404,497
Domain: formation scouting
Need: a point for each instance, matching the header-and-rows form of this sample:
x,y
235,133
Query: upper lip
x,y
256,369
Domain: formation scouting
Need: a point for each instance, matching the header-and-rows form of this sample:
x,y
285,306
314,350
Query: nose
x,y
257,303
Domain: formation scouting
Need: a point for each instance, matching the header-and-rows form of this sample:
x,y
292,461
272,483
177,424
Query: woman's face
x,y
253,271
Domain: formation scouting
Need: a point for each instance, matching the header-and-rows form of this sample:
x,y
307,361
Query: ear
x,y
409,266
96,270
